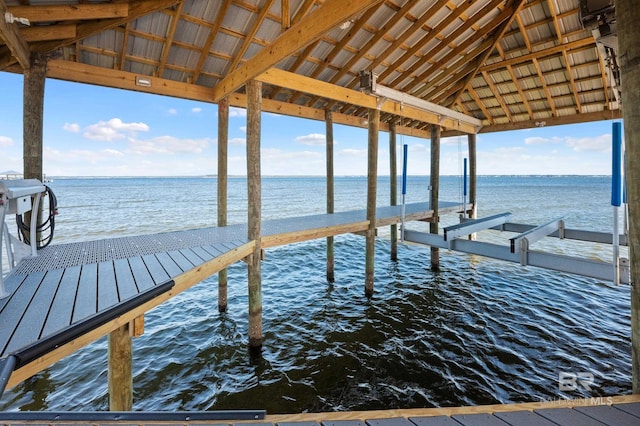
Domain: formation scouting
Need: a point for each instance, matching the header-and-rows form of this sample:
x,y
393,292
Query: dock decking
x,y
612,411
72,294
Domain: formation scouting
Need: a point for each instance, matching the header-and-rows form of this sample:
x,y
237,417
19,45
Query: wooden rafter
x,y
497,95
213,32
515,7
125,43
480,104
46,33
67,12
376,37
175,18
516,82
249,37
14,40
306,31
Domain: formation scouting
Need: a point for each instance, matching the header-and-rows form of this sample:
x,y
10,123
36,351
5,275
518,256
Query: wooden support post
x,y
120,369
372,177
628,16
254,106
330,193
33,114
393,183
473,179
223,141
435,188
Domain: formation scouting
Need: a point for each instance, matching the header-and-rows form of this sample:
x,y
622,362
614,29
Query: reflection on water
x,y
478,331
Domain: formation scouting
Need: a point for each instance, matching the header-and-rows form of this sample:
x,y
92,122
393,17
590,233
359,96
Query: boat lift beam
x,y
557,262
470,226
520,244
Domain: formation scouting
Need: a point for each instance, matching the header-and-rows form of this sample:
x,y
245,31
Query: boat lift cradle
x,y
16,198
519,251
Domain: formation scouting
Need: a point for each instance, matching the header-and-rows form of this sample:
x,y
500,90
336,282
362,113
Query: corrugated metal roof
x,y
425,47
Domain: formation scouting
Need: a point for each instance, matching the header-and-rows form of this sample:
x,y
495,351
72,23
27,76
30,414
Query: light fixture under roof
x,y
346,25
143,81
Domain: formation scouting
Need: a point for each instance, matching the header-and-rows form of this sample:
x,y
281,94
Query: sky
x,y
97,131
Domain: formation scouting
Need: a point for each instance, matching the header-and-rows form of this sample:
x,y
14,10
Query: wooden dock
x,y
612,411
72,294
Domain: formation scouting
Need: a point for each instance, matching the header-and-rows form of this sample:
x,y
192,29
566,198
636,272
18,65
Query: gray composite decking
x,y
69,289
624,414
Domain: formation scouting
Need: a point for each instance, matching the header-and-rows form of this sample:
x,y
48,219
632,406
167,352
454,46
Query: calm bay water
x,y
478,331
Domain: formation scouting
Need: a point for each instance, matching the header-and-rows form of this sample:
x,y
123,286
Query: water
x,y
479,331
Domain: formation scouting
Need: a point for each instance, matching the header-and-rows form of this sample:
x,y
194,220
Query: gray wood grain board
x,y
479,419
609,415
434,421
30,326
16,306
87,296
632,408
124,279
181,260
523,418
141,274
567,417
156,269
62,306
107,286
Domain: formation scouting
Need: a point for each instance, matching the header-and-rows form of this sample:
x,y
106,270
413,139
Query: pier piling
x,y
223,141
121,369
393,186
628,16
473,178
254,106
330,193
372,176
33,115
435,189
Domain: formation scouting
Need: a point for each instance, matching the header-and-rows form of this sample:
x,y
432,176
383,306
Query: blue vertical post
x,y
616,195
464,189
405,150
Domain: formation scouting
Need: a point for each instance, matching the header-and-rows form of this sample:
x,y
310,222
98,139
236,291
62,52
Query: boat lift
x,y
519,249
455,237
18,196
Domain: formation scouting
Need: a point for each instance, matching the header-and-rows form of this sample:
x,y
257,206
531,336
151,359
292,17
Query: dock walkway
x,y
72,294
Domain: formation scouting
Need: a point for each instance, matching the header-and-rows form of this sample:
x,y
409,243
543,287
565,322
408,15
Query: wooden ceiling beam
x,y
541,54
213,32
47,32
555,121
497,95
301,34
71,12
323,89
14,40
249,37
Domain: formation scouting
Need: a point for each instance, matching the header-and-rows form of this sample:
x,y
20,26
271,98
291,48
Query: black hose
x,y
46,229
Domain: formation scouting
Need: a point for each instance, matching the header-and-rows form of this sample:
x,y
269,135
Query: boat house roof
x,y
509,63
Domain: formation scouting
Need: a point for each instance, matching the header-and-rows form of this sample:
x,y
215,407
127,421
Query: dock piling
x,y
120,369
330,193
473,179
393,186
435,189
254,106
223,141
372,175
628,16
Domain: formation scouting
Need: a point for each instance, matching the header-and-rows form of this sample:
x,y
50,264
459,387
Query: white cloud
x,y
196,110
5,141
537,140
172,111
112,130
243,129
168,145
237,141
237,112
71,127
312,139
354,152
600,143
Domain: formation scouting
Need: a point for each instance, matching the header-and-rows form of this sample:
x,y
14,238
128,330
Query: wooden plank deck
x,y
72,294
613,411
